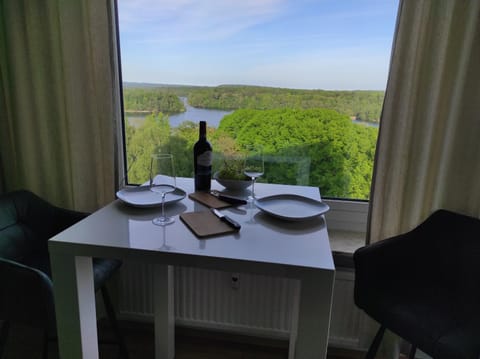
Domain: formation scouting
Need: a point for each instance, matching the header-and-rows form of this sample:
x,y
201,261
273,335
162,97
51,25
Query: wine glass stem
x,y
163,205
253,187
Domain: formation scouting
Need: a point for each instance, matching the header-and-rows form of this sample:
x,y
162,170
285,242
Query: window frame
x,y
346,218
348,215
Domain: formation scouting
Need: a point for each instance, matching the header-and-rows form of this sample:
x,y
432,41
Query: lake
x,y
194,114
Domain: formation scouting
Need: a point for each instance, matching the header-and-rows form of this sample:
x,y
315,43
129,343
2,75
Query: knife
x,y
228,199
235,225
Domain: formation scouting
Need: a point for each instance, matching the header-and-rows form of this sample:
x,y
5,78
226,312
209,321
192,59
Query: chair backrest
x,y
26,296
448,240
26,223
453,252
424,285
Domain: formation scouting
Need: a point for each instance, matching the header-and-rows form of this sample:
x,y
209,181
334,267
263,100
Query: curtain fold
x,y
59,114
428,150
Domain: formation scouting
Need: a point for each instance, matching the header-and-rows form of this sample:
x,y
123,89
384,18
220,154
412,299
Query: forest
x,y
151,100
318,147
358,105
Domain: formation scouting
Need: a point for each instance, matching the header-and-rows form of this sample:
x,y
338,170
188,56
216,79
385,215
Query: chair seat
x,y
438,324
423,285
103,269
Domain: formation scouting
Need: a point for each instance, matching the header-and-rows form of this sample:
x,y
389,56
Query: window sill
x,y
342,241
347,225
343,244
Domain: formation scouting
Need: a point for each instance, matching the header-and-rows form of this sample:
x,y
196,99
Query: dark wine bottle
x,y
202,160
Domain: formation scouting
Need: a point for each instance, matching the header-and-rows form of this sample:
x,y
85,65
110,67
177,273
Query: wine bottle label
x,y
205,159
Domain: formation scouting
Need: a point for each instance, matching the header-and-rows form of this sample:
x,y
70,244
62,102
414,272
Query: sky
x,y
303,44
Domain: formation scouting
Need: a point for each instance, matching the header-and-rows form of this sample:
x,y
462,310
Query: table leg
x,y
316,291
164,312
294,323
75,306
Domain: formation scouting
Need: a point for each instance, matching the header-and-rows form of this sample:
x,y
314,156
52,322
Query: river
x,y
194,114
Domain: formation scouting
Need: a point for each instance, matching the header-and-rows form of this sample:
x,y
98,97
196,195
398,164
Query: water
x,y
194,114
213,117
365,123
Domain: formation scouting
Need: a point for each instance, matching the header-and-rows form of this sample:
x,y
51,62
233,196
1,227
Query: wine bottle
x,y
202,160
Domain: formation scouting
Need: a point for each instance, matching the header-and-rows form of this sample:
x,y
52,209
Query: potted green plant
x,y
230,173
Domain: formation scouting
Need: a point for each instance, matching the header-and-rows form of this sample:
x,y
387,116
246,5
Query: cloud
x,y
302,45
336,69
187,20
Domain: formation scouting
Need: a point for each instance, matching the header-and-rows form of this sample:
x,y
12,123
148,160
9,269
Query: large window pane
x,y
305,79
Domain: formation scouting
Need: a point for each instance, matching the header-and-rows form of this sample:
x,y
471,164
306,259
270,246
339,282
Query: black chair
x,y
26,289
424,286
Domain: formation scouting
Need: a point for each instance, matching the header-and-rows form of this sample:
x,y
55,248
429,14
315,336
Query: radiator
x,y
346,320
235,302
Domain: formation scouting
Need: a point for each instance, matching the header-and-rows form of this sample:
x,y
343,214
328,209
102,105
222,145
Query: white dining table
x,y
265,245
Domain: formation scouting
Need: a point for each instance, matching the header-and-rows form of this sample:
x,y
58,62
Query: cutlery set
x,y
229,199
232,223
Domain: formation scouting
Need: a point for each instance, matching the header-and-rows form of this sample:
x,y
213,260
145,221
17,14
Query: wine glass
x,y
162,181
165,246
254,166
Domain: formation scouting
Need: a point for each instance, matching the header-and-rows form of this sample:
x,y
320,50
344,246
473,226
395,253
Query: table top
x,y
123,231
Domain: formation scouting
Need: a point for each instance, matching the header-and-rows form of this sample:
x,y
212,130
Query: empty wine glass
x,y
254,164
162,181
165,246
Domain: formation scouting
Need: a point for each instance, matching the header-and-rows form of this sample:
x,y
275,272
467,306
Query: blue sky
x,y
309,44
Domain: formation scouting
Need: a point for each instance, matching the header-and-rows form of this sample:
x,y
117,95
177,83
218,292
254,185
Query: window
x,y
305,79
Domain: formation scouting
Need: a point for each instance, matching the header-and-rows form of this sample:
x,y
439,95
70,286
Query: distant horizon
x,y
326,45
153,84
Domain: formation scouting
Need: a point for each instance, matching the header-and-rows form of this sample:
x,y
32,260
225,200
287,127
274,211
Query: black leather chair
x,y
424,286
26,289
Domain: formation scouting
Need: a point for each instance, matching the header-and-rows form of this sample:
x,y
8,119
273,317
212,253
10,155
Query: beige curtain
x,y
59,100
428,152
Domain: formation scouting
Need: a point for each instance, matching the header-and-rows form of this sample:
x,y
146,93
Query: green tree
x,y
151,137
151,100
317,147
360,105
